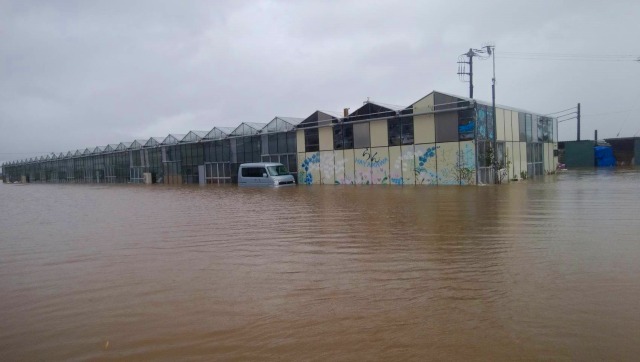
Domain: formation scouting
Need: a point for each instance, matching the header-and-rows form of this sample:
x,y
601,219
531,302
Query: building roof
x,y
219,133
248,129
194,136
318,118
172,139
282,124
153,142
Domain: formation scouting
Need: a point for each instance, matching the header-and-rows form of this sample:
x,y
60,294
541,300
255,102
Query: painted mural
x,y
466,166
327,167
425,164
379,165
338,157
408,165
395,166
309,169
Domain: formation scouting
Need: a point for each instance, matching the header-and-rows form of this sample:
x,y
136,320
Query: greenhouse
x,y
440,139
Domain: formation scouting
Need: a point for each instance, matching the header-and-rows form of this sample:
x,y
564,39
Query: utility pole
x,y
491,50
578,121
470,54
462,71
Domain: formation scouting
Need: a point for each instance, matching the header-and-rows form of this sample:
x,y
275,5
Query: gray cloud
x,y
79,74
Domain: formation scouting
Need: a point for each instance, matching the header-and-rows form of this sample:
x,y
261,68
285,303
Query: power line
x,y
607,113
566,114
572,56
564,110
571,59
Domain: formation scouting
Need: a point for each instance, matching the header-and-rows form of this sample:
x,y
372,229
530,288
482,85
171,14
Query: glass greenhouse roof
x,y
172,139
194,136
282,124
123,146
137,144
219,133
248,129
153,142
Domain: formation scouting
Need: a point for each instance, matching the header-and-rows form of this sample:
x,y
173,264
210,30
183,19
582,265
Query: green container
x,y
579,154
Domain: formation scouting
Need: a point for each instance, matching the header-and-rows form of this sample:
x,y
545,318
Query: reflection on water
x,y
545,269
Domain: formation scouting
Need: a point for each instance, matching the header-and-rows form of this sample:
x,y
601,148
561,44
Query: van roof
x,y
260,164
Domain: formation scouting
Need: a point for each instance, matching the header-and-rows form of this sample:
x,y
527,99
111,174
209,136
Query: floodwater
x,y
533,270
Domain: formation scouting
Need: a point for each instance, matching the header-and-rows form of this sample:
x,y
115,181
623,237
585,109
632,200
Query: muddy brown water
x,y
533,270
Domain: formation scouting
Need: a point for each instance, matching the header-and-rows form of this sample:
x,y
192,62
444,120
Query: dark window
x,y
311,140
338,137
541,129
407,130
400,131
491,133
361,135
466,125
240,149
446,126
282,142
343,136
291,142
394,131
253,171
255,148
273,144
527,126
522,126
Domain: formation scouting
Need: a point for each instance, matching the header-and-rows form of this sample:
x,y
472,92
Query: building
x,y
440,139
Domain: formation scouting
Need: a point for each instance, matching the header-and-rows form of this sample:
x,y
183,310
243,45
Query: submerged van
x,y
264,174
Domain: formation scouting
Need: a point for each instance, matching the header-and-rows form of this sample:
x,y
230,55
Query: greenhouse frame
x,y
440,139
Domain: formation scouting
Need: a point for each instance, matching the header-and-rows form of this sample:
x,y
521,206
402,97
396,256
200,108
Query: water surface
x,y
528,270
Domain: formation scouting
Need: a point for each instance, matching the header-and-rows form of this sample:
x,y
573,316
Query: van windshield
x,y
279,170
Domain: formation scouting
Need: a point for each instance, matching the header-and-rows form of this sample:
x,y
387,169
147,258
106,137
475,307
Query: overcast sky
x,y
78,74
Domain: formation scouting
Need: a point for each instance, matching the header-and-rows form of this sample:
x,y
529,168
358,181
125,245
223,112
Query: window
x,y
466,125
400,131
407,130
361,135
311,140
394,131
291,142
522,126
273,144
282,142
446,126
253,171
279,170
528,128
343,136
338,137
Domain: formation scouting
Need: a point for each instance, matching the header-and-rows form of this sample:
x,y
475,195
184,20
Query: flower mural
x,y
465,166
310,163
424,173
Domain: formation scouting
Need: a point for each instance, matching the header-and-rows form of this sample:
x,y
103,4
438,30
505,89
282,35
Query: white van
x,y
264,174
